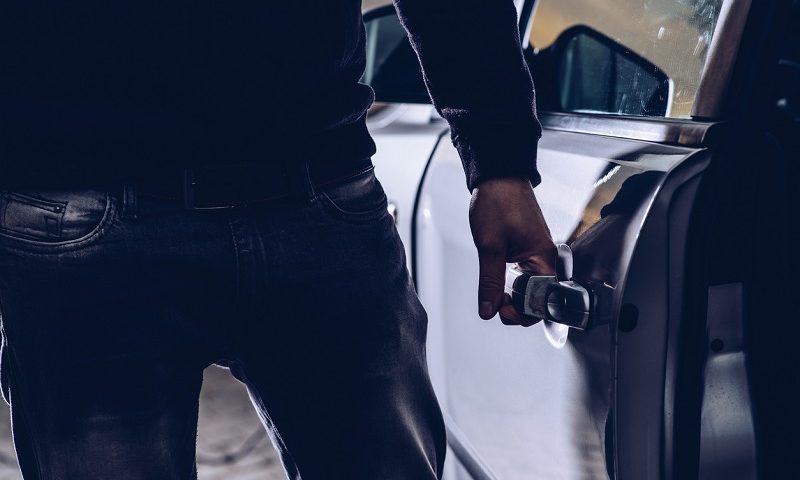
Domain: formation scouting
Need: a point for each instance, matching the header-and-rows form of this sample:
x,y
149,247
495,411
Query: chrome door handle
x,y
570,303
559,299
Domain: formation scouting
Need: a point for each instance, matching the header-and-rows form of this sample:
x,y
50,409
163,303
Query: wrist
x,y
516,182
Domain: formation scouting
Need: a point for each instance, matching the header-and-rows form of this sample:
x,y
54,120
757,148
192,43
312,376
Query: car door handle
x,y
559,299
569,303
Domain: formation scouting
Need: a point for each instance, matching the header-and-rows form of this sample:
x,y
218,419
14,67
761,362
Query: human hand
x,y
508,227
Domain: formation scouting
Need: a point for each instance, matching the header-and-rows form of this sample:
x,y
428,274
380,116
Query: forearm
x,y
475,72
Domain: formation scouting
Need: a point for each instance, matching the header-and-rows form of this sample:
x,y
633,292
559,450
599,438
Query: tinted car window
x,y
658,49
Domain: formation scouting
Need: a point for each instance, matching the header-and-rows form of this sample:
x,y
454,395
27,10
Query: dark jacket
x,y
123,86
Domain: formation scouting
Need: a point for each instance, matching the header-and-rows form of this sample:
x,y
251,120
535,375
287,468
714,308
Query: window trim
x,y
716,76
674,131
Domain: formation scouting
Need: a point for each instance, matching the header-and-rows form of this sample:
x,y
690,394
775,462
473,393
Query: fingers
x,y
492,280
536,265
491,290
540,264
510,316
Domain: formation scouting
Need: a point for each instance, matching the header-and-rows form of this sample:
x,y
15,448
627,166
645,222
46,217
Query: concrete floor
x,y
227,421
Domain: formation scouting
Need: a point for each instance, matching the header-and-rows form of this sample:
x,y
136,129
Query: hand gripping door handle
x,y
560,299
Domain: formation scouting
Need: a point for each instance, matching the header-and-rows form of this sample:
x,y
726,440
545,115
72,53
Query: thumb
x,y
491,282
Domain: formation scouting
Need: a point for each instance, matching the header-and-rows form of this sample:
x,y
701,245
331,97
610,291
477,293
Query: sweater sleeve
x,y
479,82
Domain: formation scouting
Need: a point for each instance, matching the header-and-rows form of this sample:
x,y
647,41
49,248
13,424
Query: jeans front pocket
x,y
360,199
56,221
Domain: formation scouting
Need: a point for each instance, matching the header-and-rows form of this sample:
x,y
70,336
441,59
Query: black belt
x,y
213,187
259,172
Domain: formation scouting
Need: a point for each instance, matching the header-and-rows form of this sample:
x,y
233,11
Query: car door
x,y
631,95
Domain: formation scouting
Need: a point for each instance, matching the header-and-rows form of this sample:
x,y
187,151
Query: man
x,y
187,183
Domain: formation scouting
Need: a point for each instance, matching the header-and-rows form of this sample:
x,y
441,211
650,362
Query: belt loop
x,y
129,202
311,194
188,183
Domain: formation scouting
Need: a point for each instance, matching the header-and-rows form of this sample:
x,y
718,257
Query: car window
x,y
633,57
392,68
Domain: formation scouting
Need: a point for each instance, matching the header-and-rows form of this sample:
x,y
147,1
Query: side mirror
x,y
595,74
392,68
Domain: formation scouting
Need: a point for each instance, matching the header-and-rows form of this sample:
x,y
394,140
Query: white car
x,y
650,180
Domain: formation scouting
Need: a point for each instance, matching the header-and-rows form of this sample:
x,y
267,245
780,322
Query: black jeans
x,y
113,304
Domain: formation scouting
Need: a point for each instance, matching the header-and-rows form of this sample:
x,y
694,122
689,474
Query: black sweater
x,y
121,86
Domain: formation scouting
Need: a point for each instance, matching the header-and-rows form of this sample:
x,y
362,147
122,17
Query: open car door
x,y
633,157
646,177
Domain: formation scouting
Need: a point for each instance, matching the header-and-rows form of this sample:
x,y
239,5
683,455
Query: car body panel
x,y
528,408
405,137
547,402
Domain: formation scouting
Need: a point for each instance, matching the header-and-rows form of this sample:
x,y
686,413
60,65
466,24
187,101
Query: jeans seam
x,y
357,218
237,263
273,430
366,213
311,194
129,195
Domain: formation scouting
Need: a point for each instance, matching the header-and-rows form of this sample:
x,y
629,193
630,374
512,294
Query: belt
x,y
214,187
293,167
